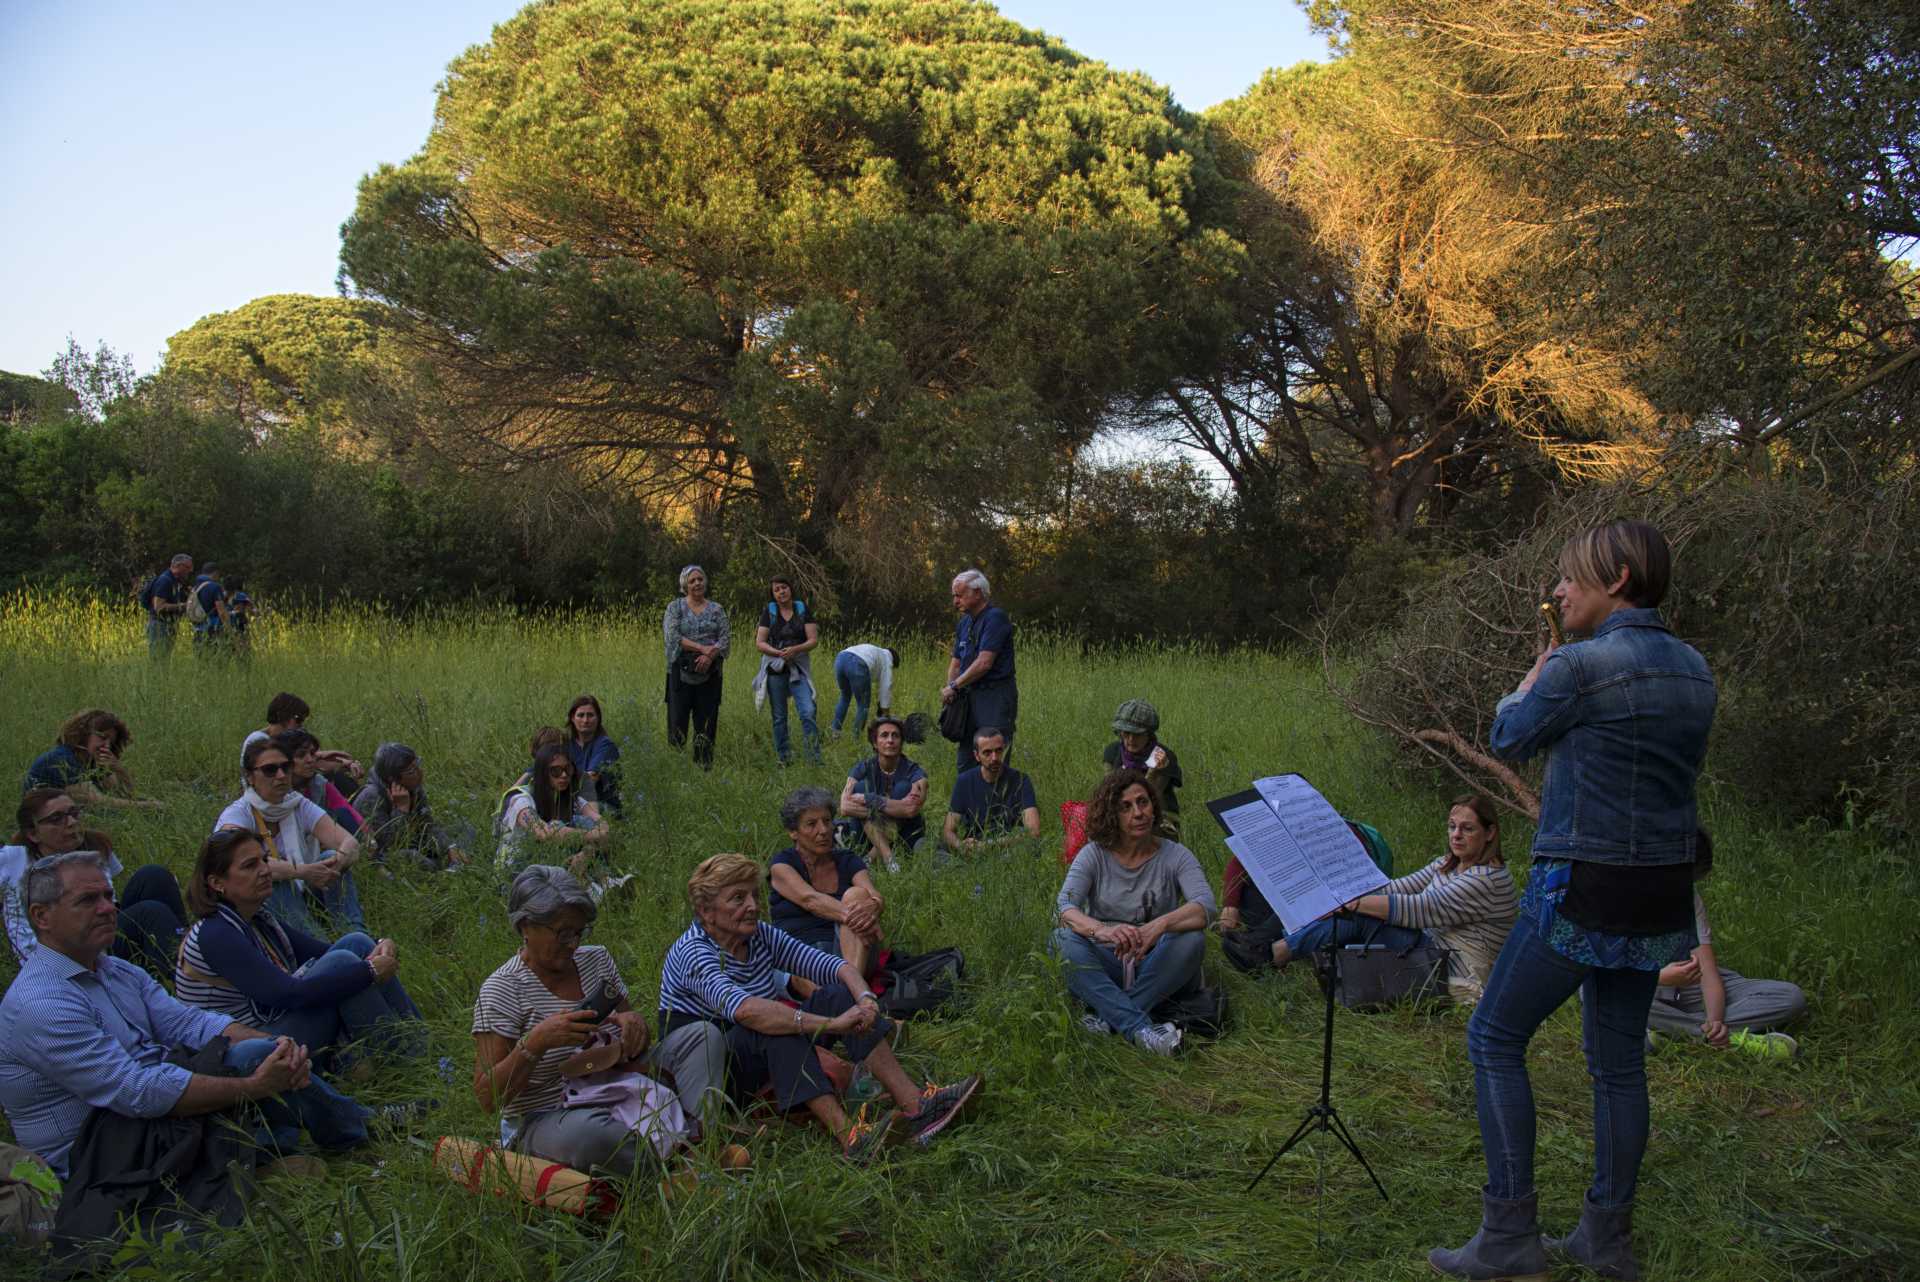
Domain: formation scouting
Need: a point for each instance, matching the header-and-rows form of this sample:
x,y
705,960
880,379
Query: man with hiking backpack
x,y
207,608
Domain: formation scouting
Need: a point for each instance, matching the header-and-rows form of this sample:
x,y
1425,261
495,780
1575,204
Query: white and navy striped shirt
x,y
702,979
512,1000
1468,910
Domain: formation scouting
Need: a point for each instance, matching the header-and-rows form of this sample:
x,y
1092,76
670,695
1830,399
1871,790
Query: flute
x,y
1551,613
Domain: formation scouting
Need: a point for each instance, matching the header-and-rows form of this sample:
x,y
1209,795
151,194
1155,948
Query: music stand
x,y
1323,1116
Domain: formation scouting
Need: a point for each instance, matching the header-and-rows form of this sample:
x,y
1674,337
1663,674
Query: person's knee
x,y
856,897
359,943
1063,943
246,1055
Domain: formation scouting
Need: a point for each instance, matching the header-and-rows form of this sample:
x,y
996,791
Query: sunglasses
x,y
71,815
272,768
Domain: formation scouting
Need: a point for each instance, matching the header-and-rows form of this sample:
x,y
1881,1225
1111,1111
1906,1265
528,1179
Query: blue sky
x,y
167,160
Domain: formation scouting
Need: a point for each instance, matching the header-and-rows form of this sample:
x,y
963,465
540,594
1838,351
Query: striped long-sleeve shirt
x,y
1469,910
701,979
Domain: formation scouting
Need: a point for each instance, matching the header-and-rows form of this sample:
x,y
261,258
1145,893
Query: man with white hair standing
x,y
981,669
165,599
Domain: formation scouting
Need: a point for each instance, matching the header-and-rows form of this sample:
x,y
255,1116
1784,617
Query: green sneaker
x,y
1765,1045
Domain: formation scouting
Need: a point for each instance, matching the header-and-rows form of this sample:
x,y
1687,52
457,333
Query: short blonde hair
x,y
718,873
1594,559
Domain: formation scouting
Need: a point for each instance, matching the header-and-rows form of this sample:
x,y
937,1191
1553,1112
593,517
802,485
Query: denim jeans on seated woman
x,y
339,904
1095,973
333,1120
1529,982
1341,931
383,1015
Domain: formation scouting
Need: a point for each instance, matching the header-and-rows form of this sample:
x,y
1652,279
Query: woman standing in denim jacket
x,y
1623,718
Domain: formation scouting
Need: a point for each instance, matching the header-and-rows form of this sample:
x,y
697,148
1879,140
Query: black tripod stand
x,y
1323,1116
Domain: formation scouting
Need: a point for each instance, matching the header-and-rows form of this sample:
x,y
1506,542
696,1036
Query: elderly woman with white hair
x,y
697,645
725,972
552,998
981,670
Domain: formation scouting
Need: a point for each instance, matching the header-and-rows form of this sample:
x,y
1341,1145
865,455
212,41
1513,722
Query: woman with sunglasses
x,y
308,854
152,916
548,808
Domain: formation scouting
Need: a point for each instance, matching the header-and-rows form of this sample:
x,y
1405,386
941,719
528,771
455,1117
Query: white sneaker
x,y
1095,1025
1160,1039
893,865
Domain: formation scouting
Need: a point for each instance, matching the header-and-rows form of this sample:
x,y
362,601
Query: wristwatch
x,y
867,996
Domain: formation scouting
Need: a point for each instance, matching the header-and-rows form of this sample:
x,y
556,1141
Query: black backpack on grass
x,y
1198,1011
921,983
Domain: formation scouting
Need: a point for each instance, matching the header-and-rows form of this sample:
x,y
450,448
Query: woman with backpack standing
x,y
784,639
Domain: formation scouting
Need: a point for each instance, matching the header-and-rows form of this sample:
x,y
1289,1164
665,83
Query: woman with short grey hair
x,y
823,895
698,642
552,998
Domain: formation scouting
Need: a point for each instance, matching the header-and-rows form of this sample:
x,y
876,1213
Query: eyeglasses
x,y
560,772
568,936
272,768
71,815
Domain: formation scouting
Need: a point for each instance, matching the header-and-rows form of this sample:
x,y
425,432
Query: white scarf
x,y
284,816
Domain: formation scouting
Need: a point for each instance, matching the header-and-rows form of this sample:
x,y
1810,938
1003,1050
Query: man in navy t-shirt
x,y
993,801
165,600
982,665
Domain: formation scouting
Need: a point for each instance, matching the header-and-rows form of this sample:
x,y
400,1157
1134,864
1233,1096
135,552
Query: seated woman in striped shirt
x,y
240,961
1463,901
724,972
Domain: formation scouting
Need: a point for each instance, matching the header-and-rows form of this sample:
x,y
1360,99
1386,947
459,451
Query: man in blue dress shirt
x,y
81,1029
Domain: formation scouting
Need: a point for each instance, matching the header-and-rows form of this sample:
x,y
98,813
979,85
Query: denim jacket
x,y
1624,720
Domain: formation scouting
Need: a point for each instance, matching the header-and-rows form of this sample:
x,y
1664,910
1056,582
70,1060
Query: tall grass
x,y
1086,1159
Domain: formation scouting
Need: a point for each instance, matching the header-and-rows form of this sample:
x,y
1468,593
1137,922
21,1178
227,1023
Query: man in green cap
x,y
1138,747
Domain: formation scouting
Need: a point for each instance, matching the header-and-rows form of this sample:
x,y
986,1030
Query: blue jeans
x,y
159,637
779,686
1529,982
292,906
1094,973
333,1119
383,1014
1341,931
855,679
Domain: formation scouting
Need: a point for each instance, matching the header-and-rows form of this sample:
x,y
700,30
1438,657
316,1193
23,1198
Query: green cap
x,y
1136,716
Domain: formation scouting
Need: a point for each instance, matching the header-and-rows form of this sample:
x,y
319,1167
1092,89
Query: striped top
x,y
512,1000
1468,910
702,979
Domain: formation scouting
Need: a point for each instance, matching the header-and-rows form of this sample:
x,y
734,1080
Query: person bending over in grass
x,y
1133,915
86,763
725,971
1136,746
885,793
310,856
400,820
290,712
152,916
1464,901
821,895
549,810
529,1021
1700,999
303,749
239,961
595,756
992,802
81,1030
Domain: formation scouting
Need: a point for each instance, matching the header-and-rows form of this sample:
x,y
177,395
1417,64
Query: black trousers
x,y
754,1059
699,705
152,920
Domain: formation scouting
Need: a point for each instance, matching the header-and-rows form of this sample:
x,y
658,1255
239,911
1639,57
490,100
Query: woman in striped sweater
x,y
238,960
1463,901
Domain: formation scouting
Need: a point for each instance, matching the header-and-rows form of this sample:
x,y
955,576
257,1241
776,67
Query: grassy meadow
x,y
1086,1158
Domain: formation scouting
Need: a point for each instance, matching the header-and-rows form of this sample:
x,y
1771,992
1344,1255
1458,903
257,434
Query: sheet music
x,y
1297,849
